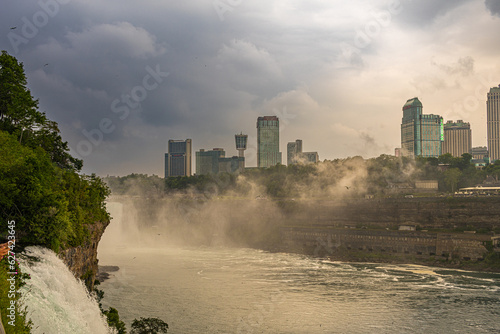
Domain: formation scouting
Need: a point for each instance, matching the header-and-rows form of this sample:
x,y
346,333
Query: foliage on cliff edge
x,y
40,187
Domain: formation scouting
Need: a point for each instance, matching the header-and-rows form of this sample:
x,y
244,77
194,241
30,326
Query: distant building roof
x,y
495,89
268,118
415,102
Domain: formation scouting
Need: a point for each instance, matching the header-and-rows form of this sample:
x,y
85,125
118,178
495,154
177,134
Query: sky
x,y
123,77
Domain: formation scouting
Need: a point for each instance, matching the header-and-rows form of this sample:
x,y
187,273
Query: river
x,y
240,290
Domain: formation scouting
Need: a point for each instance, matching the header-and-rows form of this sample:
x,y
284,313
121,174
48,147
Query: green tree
x,y
149,326
465,161
19,115
451,178
39,185
114,320
446,159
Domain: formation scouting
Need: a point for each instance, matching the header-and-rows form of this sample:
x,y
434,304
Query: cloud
x,y
121,39
423,13
248,67
493,6
464,66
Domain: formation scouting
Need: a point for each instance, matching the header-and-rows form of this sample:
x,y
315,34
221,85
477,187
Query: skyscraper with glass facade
x,y
268,141
178,158
421,135
493,123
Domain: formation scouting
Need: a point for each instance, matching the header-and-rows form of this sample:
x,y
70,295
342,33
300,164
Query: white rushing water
x,y
58,302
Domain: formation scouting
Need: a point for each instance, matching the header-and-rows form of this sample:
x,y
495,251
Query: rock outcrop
x,y
82,260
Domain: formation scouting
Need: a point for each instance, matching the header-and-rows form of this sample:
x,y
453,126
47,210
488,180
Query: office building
x,y
479,153
232,165
178,158
207,162
268,141
294,154
292,151
421,135
309,157
457,138
493,123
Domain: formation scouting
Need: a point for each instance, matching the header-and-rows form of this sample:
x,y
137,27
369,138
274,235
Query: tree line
x,y
354,175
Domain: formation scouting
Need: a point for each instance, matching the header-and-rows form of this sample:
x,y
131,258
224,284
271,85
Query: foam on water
x,y
57,302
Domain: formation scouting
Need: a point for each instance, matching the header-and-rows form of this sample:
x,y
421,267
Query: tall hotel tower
x,y
421,135
493,121
178,158
268,141
457,138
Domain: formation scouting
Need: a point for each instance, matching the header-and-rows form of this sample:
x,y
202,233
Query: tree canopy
x,y
149,326
20,117
40,187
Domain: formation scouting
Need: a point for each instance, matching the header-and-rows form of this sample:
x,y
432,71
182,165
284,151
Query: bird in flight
x,y
12,28
346,187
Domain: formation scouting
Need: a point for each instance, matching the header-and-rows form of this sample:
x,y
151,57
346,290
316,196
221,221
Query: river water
x,y
221,290
240,290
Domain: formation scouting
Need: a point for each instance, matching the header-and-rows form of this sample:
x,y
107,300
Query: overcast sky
x,y
122,77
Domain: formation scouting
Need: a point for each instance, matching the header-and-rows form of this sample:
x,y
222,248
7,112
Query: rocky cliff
x,y
427,213
453,232
82,260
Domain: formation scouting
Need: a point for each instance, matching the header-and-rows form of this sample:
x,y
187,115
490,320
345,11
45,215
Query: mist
x,y
245,210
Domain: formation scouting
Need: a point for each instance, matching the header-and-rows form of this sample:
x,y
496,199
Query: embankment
x,y
450,232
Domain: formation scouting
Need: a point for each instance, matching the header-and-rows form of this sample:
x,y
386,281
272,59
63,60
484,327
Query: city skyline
x,y
121,79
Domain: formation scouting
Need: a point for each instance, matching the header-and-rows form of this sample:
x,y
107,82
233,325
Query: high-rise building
x,y
178,158
457,138
493,123
232,165
268,141
295,155
421,135
292,151
207,162
309,157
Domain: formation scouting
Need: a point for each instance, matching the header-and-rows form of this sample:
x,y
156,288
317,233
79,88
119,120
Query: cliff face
x,y
82,260
425,212
368,231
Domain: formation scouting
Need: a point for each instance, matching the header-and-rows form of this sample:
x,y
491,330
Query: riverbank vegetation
x,y
13,313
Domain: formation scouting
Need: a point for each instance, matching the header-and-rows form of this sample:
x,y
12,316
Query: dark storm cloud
x,y
493,6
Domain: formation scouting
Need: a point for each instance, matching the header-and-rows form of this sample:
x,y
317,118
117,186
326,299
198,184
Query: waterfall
x,y
56,301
